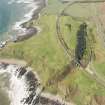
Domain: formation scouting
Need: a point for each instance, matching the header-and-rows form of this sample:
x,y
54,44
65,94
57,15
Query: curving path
x,y
58,28
92,73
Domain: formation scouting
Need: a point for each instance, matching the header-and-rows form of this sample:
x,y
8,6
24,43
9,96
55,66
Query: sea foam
x,y
25,87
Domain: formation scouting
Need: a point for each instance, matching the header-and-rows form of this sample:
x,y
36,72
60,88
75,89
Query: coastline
x,y
29,83
24,31
26,34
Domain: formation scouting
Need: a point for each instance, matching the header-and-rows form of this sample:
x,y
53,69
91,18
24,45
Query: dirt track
x,y
13,61
92,73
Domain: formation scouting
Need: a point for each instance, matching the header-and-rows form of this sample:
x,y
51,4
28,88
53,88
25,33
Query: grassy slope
x,y
45,55
42,51
99,63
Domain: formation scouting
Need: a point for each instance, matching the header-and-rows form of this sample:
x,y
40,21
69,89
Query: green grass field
x,y
45,55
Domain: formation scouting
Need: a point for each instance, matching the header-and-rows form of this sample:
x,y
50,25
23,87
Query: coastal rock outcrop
x,y
25,87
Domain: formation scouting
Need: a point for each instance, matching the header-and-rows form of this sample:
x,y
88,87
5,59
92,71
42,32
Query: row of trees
x,y
81,42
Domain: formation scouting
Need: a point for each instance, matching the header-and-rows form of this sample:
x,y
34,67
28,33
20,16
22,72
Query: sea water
x,y
10,12
13,89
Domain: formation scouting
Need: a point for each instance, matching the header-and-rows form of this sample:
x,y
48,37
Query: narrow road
x,y
94,75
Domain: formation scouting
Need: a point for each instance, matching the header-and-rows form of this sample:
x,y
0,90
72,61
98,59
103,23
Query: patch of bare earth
x,y
13,61
100,100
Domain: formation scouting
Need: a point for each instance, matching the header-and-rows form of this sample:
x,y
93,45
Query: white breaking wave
x,y
20,1
11,1
30,4
24,1
19,86
25,89
26,18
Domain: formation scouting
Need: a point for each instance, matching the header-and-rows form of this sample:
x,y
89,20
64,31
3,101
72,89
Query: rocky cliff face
x,y
25,87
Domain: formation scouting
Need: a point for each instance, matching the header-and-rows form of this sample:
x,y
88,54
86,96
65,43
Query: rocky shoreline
x,y
31,89
26,32
30,30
